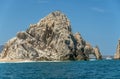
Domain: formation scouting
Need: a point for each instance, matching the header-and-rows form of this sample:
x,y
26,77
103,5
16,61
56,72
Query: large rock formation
x,y
50,39
117,54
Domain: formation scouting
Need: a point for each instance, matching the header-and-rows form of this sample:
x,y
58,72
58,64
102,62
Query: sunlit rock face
x,y
117,54
48,40
97,53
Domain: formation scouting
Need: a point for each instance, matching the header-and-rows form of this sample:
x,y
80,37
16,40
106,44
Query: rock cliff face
x,y
117,54
50,39
1,47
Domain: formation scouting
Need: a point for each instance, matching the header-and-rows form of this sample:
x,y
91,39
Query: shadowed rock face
x,y
1,47
50,39
117,54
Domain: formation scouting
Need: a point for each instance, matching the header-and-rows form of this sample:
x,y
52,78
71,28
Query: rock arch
x,y
92,50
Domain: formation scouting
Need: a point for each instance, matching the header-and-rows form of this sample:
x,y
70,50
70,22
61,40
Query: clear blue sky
x,y
98,21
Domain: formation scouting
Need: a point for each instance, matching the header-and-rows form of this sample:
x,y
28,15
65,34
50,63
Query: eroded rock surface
x,y
50,39
1,47
97,53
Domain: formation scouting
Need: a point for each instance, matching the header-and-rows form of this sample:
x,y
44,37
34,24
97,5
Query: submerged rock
x,y
117,54
50,39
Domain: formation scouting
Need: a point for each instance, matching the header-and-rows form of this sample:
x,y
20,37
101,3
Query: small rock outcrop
x,y
50,39
97,53
117,54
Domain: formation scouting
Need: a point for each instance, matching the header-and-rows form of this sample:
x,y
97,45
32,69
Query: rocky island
x,y
51,39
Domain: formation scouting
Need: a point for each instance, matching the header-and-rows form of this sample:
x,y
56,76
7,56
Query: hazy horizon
x,y
98,21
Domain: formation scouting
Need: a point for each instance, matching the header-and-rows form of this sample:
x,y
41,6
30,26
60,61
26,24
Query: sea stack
x,y
97,53
117,54
51,39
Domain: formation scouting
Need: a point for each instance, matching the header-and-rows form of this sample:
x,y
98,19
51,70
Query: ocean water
x,y
102,69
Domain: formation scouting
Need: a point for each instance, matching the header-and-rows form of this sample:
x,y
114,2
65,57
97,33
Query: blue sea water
x,y
102,69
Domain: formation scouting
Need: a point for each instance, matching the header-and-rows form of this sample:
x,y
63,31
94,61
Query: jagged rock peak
x,y
78,35
56,18
58,14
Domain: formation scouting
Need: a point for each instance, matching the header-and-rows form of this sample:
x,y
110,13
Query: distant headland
x,y
51,39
